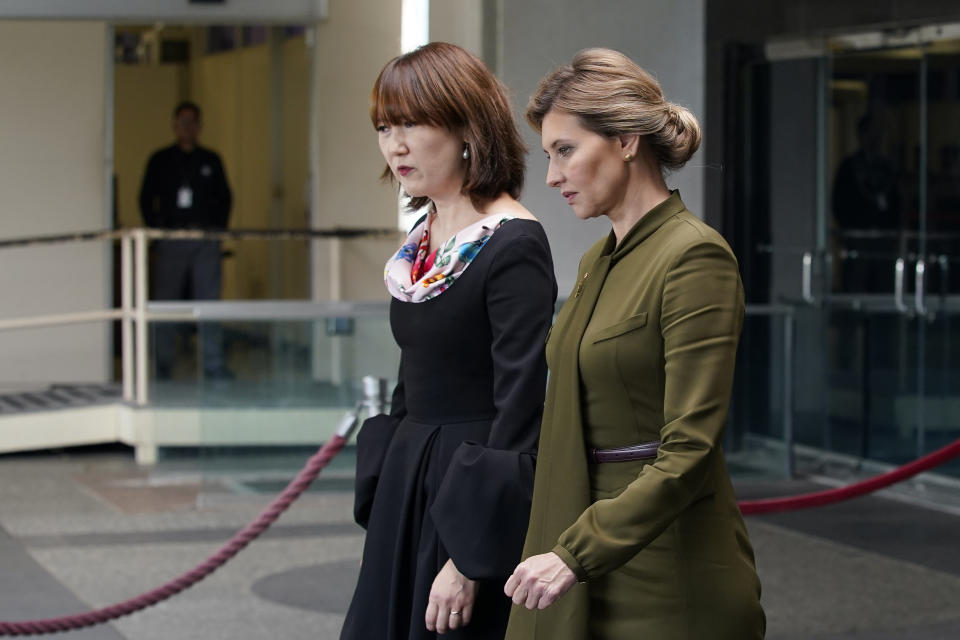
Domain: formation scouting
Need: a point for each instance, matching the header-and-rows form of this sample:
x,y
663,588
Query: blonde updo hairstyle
x,y
612,95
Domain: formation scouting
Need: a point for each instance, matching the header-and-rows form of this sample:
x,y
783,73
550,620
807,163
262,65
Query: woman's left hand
x,y
539,581
451,600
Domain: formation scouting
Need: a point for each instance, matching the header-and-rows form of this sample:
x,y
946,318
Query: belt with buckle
x,y
622,454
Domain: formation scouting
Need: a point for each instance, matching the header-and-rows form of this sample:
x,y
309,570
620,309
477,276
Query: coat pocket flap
x,y
614,330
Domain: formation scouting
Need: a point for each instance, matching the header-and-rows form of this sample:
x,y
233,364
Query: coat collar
x,y
644,227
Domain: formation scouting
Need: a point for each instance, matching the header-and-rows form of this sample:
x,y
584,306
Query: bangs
x,y
445,86
400,95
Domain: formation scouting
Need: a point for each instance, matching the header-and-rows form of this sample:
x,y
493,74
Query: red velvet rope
x,y
319,460
240,540
830,496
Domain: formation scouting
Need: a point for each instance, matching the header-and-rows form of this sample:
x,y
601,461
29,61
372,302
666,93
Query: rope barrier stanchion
x,y
240,540
831,496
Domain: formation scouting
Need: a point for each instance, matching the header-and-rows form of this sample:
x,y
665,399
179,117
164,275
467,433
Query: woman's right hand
x,y
539,581
451,600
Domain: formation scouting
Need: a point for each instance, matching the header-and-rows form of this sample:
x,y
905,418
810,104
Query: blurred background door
x,y
850,192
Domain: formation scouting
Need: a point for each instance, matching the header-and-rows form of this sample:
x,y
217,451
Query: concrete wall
x,y
459,22
666,38
352,45
52,180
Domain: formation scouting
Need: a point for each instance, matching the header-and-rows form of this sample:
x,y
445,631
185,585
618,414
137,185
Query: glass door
x,y
873,166
939,411
850,192
778,236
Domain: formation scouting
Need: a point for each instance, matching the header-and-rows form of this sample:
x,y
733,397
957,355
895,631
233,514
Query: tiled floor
x,y
86,528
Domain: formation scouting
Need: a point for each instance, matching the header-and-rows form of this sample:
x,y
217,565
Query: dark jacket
x,y
201,172
450,473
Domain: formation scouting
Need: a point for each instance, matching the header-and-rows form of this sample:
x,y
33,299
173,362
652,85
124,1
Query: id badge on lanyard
x,y
184,197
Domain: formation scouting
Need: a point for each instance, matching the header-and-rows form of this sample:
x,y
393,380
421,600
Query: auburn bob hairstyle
x,y
443,85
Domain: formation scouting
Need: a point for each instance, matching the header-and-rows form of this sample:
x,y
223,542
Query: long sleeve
x,y
149,195
483,505
700,320
372,443
221,200
521,292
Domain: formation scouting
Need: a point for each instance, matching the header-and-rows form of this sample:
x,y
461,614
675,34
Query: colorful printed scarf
x,y
451,259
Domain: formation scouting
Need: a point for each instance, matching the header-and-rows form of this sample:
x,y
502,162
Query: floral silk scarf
x,y
451,259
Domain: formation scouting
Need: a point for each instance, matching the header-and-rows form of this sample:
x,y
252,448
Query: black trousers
x,y
188,270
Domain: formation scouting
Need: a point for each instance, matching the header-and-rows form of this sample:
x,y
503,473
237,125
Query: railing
x,y
136,312
786,313
774,409
884,349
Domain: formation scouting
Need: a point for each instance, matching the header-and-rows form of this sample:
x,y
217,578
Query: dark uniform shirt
x,y
185,190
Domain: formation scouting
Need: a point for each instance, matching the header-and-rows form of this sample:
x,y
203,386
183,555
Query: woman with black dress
x,y
444,482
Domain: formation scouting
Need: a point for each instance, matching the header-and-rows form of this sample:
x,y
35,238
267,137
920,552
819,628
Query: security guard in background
x,y
185,187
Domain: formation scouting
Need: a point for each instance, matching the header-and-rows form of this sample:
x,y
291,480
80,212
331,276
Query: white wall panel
x,y
52,88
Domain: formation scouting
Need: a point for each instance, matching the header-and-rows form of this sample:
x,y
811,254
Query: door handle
x,y
807,283
898,269
918,287
944,262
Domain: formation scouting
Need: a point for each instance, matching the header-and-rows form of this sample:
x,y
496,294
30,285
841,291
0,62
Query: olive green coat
x,y
644,350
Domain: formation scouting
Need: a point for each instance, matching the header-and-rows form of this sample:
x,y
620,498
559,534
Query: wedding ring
x,y
454,613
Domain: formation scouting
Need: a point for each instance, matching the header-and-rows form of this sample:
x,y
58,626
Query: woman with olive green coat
x,y
644,350
648,545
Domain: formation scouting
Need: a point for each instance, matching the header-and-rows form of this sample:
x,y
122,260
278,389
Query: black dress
x,y
449,474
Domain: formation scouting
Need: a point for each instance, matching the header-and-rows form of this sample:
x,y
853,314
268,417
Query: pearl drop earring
x,y
466,152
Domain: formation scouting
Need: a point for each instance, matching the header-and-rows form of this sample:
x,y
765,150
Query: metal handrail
x,y
848,254
180,311
877,234
197,234
788,312
136,312
56,319
189,310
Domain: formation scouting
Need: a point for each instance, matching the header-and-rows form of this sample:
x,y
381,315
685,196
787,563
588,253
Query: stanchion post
x,y
140,273
126,326
349,422
789,462
374,394
373,403
336,294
